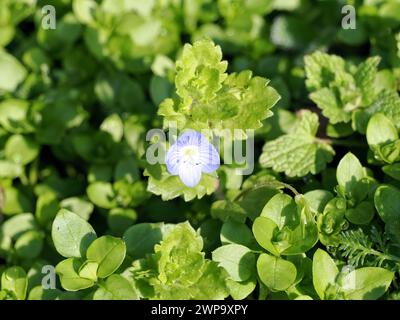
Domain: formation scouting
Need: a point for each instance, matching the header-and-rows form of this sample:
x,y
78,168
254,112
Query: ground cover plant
x,y
96,203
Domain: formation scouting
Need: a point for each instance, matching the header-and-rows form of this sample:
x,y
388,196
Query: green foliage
x,y
178,270
318,217
299,152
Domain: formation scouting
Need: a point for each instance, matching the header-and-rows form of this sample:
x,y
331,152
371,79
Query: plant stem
x,y
272,183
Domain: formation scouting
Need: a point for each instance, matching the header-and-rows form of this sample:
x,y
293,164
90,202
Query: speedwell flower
x,y
190,156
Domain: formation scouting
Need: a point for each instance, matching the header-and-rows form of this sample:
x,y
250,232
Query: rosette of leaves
x,y
354,201
383,140
286,226
209,98
330,283
130,34
175,266
348,93
90,262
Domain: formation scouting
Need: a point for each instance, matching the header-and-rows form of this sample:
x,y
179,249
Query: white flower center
x,y
190,155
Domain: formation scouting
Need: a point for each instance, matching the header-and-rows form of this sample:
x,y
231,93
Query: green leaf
x,y
362,214
15,282
68,271
332,220
211,285
114,126
38,293
109,253
281,209
84,10
237,260
339,130
392,170
318,199
349,172
127,169
81,206
365,78
29,245
88,270
160,89
120,219
47,206
276,273
12,72
324,272
263,230
240,290
141,238
14,116
322,68
9,169
21,150
254,200
236,232
299,152
291,32
102,194
115,287
381,130
367,283
224,210
71,234
328,102
170,187
17,225
387,203
16,202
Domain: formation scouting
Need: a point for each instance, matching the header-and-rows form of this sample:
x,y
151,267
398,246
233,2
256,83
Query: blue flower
x,y
190,156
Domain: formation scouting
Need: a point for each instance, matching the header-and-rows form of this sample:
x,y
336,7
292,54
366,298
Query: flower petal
x,y
209,157
189,138
190,174
172,159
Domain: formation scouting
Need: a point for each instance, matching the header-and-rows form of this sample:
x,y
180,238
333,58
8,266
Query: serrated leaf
x,y
328,102
169,187
298,153
210,99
